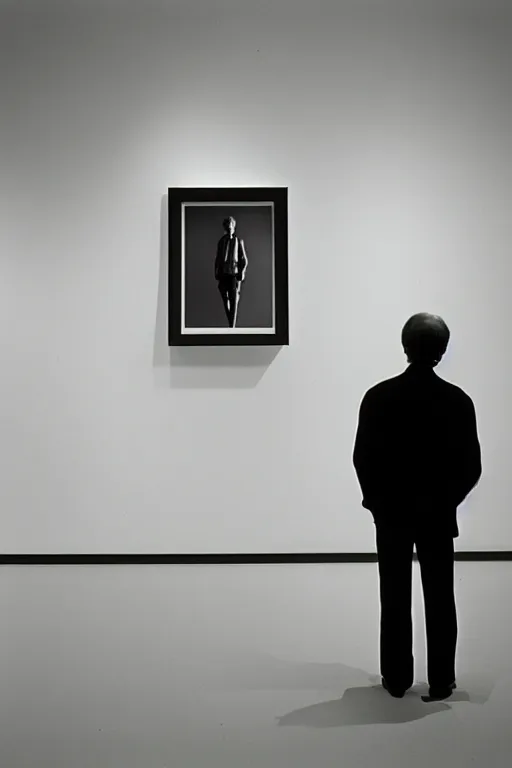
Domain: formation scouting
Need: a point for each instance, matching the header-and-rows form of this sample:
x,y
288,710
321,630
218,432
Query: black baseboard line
x,y
226,559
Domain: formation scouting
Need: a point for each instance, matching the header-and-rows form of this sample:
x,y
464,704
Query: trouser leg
x,y
224,292
436,558
234,298
229,291
394,549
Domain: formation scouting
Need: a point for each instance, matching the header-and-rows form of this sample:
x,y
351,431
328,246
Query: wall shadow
x,y
222,367
219,367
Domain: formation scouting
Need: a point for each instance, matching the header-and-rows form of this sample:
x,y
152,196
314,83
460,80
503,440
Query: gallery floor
x,y
239,667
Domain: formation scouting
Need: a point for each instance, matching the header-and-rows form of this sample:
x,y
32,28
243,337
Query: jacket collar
x,y
422,371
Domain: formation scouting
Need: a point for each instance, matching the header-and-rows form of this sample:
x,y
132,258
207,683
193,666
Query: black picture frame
x,y
193,291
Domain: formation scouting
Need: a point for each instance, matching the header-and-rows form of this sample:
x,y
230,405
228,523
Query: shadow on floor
x,y
369,705
361,700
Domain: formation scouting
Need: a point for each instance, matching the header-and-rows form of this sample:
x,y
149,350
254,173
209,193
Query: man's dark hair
x,y
425,338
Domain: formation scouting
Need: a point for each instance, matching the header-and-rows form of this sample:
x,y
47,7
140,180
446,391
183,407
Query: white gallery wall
x,y
391,125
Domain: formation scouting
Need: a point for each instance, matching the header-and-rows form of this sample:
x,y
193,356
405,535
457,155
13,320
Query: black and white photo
x,y
230,269
228,258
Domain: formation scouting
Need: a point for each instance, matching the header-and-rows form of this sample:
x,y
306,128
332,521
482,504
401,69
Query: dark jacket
x,y
240,261
417,454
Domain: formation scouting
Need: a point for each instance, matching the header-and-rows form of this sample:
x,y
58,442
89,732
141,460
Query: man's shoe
x,y
397,693
438,694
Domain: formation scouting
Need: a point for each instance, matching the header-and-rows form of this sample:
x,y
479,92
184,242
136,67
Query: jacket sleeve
x,y
366,450
468,459
244,261
218,259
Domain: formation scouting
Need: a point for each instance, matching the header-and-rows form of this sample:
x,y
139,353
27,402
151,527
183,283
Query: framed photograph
x,y
228,266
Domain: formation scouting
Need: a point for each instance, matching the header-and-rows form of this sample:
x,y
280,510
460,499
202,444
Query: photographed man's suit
x,y
417,456
230,268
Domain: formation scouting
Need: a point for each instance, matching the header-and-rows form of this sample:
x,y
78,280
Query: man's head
x,y
229,225
425,338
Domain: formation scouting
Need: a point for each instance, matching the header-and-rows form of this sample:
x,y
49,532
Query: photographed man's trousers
x,y
229,290
435,552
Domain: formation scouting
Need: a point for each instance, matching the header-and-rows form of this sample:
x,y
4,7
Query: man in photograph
x,y
230,268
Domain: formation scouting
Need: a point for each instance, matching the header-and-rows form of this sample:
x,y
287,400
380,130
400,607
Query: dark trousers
x,y
436,558
229,290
